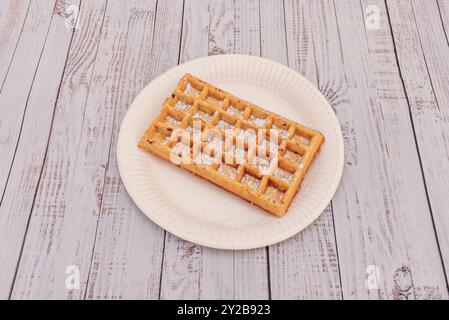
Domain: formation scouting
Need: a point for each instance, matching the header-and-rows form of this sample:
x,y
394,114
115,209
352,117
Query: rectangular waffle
x,y
197,106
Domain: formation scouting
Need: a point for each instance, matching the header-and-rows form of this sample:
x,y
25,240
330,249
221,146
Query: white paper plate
x,y
200,212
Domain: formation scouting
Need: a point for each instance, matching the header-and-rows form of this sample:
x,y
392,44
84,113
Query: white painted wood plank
x,y
377,221
19,194
129,247
195,30
424,61
22,71
64,218
191,271
165,49
380,209
221,27
391,94
299,38
305,266
12,17
273,38
247,27
443,6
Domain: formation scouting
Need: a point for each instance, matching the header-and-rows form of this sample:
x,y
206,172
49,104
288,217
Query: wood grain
x,y
221,27
12,17
62,226
31,150
64,93
22,70
443,8
380,208
423,56
195,30
306,265
128,251
392,95
191,271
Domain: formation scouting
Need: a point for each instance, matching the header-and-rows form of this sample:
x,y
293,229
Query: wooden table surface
x,y
70,69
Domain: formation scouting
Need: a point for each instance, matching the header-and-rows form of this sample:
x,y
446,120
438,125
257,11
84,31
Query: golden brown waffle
x,y
264,176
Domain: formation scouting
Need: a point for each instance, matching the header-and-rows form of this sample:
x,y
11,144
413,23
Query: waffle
x,y
230,142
